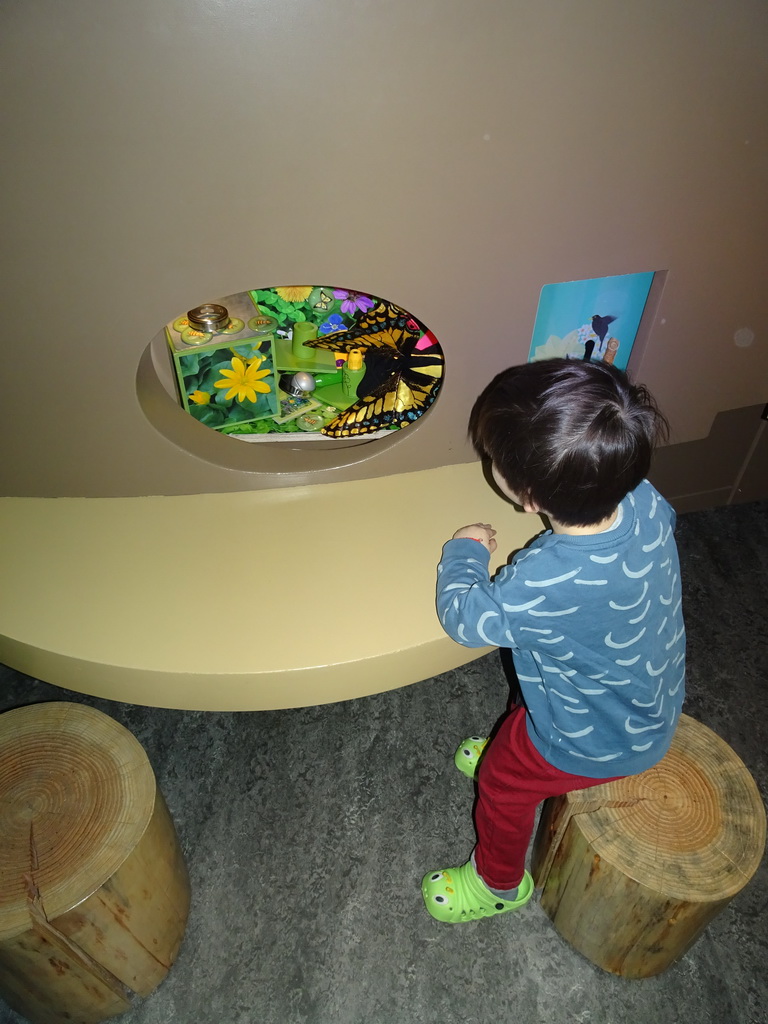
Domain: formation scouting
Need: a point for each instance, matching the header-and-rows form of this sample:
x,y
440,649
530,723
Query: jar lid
x,y
262,324
311,421
209,317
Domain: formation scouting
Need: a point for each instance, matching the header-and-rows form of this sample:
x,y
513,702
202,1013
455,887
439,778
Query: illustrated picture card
x,y
594,320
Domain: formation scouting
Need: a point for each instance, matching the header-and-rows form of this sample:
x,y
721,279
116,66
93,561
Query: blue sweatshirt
x,y
596,631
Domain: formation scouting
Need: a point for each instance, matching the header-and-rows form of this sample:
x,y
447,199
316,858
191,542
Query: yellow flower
x,y
244,381
200,397
295,293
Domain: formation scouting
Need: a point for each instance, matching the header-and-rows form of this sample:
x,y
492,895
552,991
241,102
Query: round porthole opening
x,y
320,367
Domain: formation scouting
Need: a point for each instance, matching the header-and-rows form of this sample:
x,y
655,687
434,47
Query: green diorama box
x,y
224,358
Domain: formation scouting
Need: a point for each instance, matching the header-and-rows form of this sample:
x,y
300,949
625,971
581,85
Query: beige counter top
x,y
241,601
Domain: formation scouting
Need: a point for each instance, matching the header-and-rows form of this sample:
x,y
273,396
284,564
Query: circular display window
x,y
309,362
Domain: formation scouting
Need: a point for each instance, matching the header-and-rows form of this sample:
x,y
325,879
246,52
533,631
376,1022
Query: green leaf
x,y
189,363
247,350
239,412
209,379
207,414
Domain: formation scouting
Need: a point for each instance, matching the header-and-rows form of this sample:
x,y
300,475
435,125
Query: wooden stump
x,y
633,871
94,892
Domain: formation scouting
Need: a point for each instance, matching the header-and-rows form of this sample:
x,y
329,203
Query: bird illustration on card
x,y
596,320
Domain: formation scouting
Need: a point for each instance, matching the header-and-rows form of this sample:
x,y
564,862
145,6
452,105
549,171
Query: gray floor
x,y
307,832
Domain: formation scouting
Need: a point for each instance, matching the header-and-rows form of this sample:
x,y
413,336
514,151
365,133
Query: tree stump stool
x,y
633,871
94,891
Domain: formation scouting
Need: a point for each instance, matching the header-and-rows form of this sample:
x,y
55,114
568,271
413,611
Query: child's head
x,y
569,437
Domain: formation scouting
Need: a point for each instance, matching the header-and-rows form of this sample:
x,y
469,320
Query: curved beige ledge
x,y
246,601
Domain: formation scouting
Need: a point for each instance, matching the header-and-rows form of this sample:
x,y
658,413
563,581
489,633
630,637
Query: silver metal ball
x,y
303,381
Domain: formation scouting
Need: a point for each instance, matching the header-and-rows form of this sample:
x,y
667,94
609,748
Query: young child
x,y
591,610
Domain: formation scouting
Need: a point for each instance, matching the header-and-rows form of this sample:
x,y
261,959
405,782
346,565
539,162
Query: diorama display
x,y
310,360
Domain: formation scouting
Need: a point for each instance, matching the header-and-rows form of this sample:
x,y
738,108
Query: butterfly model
x,y
404,365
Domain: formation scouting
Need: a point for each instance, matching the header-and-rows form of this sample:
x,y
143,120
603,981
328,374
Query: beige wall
x,y
452,157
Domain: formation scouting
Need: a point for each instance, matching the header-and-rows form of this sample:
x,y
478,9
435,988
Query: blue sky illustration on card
x,y
593,320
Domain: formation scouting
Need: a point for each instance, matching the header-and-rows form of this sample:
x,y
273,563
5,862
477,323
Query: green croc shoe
x,y
454,895
467,756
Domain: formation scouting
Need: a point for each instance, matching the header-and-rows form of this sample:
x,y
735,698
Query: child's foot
x,y
454,895
467,757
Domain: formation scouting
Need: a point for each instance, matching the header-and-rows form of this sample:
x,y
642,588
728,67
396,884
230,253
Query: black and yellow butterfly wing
x,y
404,379
384,326
398,401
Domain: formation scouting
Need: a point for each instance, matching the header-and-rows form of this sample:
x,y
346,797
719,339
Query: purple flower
x,y
352,301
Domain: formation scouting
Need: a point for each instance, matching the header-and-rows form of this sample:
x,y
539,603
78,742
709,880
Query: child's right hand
x,y
483,532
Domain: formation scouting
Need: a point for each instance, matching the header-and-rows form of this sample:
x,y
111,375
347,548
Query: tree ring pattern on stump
x,y
670,815
76,794
693,826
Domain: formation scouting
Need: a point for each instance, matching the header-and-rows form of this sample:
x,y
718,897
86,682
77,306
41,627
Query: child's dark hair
x,y
569,436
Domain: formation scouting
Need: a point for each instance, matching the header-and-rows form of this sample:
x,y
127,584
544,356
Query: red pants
x,y
512,781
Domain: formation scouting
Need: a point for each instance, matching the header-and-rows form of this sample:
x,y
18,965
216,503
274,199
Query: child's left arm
x,y
468,604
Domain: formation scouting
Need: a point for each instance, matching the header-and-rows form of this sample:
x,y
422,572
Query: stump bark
x,y
94,891
633,871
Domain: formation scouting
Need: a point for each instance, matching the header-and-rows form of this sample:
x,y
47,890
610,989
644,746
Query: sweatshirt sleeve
x,y
469,604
